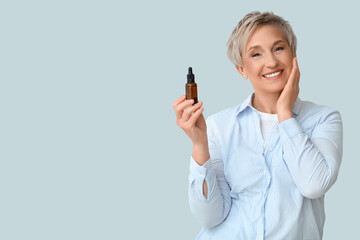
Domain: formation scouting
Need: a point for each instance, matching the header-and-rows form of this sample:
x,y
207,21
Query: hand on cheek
x,y
289,94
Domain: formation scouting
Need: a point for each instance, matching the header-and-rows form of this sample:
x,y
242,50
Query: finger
x,y
292,77
297,71
295,78
187,112
179,100
293,69
295,63
195,116
179,109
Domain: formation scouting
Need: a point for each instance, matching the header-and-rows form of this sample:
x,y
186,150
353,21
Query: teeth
x,y
273,74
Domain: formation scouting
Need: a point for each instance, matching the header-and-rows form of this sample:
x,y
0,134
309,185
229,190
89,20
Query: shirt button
x,y
265,171
202,174
270,149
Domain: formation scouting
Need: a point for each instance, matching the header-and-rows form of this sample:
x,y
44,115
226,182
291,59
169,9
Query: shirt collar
x,y
248,100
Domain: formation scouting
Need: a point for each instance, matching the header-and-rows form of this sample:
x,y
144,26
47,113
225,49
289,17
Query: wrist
x,y
283,116
201,153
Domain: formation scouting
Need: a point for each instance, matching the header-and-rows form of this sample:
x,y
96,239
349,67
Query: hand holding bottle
x,y
190,118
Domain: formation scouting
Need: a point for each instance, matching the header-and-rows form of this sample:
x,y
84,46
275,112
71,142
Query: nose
x,y
271,61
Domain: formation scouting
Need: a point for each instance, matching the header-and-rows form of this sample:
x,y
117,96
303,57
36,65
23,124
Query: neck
x,y
266,102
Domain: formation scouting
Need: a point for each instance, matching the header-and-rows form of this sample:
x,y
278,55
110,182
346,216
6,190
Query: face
x,y
267,60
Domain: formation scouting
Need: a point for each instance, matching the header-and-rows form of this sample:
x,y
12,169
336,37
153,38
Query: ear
x,y
242,72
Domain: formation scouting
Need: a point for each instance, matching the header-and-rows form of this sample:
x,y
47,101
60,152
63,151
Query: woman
x,y
260,170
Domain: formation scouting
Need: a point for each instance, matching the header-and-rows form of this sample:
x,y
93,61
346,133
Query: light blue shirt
x,y
271,193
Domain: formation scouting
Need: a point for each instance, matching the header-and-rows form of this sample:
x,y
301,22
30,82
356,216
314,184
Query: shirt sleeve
x,y
313,162
212,210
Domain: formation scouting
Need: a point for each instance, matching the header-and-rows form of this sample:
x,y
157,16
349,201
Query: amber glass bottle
x,y
191,87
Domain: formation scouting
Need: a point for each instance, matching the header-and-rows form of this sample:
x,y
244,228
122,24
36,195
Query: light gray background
x,y
89,148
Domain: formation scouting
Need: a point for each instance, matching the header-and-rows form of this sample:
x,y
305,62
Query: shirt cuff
x,y
289,128
198,171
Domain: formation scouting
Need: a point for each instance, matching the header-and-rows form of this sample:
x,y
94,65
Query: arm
x,y
201,155
313,163
209,192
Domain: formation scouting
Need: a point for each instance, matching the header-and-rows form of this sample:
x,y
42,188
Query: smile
x,y
273,75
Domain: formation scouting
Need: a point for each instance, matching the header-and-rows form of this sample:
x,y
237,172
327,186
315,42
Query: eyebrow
x,y
258,46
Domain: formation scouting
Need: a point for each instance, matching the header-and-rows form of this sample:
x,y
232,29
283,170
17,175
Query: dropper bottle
x,y
191,87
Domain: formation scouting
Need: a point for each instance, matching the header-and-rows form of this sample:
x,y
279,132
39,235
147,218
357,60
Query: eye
x,y
255,55
279,48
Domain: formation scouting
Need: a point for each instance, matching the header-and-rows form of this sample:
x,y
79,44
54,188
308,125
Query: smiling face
x,y
267,60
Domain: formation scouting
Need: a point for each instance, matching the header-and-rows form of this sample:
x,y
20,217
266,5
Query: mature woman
x,y
260,170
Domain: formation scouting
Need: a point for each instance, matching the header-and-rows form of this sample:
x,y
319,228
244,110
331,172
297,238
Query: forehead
x,y
265,35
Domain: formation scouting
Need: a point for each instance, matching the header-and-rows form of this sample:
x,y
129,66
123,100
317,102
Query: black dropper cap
x,y
190,76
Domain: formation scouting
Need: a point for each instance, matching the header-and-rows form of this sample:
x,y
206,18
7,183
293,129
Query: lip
x,y
276,77
277,70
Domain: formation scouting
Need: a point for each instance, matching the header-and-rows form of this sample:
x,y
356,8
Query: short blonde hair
x,y
246,27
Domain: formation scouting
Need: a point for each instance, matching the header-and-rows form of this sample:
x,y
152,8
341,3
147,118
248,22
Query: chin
x,y
275,89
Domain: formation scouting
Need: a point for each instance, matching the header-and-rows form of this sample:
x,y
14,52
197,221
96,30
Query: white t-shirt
x,y
267,122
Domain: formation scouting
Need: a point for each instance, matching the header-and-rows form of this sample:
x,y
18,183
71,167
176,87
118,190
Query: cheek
x,y
254,70
289,60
